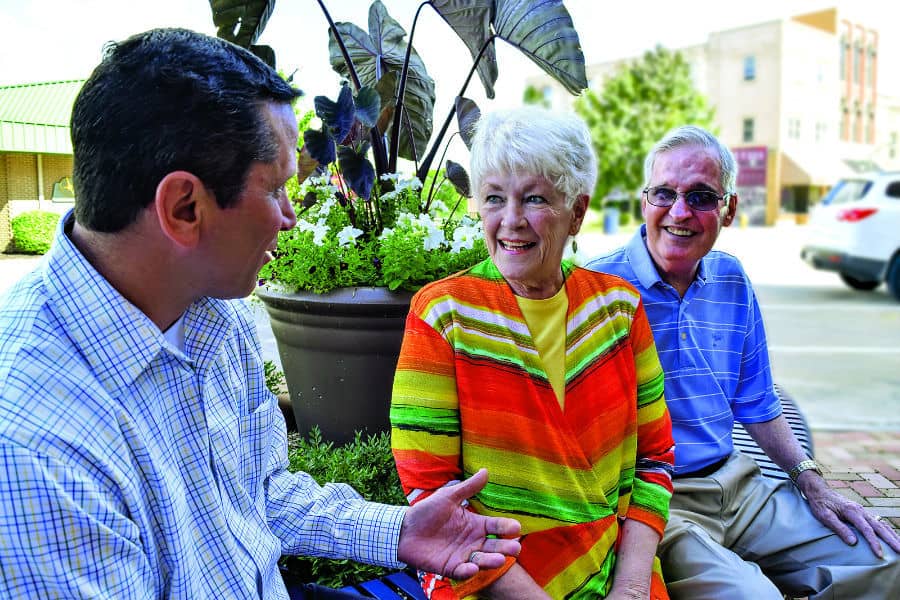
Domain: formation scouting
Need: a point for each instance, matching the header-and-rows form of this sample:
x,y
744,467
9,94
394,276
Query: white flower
x,y
322,182
412,183
319,230
349,233
437,206
434,235
325,207
465,236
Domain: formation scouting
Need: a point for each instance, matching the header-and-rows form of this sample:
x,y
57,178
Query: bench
x,y
404,585
744,443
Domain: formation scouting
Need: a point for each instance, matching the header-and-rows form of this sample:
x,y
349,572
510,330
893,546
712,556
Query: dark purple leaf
x,y
459,178
467,115
337,116
358,171
320,146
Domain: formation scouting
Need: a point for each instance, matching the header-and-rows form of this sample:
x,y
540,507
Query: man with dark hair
x,y
733,533
141,454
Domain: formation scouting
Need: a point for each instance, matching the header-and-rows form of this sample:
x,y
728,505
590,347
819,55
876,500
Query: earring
x,y
574,246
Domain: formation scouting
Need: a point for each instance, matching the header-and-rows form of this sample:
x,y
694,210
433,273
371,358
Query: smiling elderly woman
x,y
543,372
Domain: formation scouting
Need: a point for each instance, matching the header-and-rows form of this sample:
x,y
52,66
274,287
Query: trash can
x,y
610,220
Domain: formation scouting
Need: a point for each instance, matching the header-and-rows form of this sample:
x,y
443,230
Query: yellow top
x,y
546,319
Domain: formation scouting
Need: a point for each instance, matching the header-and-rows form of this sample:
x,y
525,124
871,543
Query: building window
x,y
857,63
749,68
820,131
794,129
748,130
892,147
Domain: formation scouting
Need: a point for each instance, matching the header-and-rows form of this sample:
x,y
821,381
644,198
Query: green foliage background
x,y
33,231
636,106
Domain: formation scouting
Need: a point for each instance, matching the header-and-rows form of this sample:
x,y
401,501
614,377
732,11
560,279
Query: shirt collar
x,y
116,338
644,267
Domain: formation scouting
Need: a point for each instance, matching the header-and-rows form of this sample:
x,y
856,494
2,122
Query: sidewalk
x,y
863,466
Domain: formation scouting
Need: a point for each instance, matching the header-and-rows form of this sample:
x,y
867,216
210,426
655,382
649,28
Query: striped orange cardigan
x,y
470,391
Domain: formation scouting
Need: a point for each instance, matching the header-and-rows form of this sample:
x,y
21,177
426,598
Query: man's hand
x,y
834,510
440,536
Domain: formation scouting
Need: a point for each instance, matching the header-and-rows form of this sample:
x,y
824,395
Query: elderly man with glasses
x,y
733,533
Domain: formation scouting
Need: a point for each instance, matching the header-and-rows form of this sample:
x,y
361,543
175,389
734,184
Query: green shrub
x,y
33,231
275,380
367,464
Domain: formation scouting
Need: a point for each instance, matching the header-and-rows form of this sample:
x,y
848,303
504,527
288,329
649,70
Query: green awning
x,y
34,117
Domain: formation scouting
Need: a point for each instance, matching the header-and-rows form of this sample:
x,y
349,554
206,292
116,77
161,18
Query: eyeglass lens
x,y
697,199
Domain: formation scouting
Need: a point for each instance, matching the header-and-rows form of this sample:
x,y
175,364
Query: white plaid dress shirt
x,y
129,469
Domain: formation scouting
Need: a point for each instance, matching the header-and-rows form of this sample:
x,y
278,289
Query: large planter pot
x,y
339,352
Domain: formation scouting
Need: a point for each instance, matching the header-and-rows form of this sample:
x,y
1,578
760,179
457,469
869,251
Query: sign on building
x,y
751,182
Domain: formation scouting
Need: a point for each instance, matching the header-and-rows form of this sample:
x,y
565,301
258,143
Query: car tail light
x,y
852,215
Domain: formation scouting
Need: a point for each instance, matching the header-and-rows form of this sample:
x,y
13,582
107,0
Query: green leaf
x,y
471,21
544,32
265,53
358,171
242,22
467,115
381,53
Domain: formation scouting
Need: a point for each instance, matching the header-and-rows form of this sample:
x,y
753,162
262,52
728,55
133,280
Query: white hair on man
x,y
693,135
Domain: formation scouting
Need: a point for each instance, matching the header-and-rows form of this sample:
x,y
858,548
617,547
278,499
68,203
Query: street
x,y
835,350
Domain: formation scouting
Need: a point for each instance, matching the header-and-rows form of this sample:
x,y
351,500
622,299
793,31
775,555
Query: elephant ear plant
x,y
360,223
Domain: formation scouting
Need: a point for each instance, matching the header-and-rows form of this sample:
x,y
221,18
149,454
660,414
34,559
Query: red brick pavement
x,y
864,466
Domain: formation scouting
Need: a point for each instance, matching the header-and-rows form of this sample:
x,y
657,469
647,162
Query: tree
x,y
534,96
635,108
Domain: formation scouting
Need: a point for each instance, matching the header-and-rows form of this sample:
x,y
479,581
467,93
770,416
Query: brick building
x,y
35,150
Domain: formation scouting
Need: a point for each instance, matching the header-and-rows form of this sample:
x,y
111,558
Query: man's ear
x,y
729,209
180,199
579,209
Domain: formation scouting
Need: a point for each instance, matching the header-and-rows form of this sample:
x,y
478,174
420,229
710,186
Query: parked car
x,y
855,231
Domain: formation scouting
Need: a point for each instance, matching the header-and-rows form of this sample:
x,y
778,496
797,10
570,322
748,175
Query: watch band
x,y
804,465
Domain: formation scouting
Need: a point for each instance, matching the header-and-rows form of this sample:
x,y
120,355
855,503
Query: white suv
x,y
855,231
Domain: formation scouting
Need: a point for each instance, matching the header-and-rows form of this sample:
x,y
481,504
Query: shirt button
x,y
683,335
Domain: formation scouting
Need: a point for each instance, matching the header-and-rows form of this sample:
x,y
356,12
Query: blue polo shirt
x,y
712,346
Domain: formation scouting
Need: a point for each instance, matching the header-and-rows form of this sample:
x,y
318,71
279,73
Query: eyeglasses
x,y
665,197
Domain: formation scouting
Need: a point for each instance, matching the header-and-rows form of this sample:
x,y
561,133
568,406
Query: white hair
x,y
692,135
536,141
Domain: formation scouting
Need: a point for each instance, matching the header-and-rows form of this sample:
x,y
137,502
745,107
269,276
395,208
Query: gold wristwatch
x,y
804,465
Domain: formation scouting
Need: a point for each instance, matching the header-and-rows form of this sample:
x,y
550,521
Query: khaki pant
x,y
738,534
